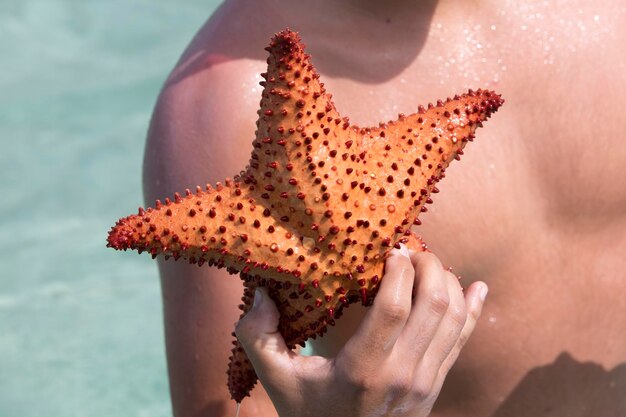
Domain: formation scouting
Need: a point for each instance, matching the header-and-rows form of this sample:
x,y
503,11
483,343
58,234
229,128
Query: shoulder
x,y
203,122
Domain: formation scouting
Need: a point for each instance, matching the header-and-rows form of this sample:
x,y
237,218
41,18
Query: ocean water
x,y
80,325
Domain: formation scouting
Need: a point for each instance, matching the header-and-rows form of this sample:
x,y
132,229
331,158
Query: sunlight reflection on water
x,y
80,326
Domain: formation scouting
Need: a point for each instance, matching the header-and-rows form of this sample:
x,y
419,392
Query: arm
x,y
201,132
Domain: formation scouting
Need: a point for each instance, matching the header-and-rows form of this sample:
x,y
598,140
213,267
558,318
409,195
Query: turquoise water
x,y
80,325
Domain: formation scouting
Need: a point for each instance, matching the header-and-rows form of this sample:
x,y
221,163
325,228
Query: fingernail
x,y
403,251
258,298
483,292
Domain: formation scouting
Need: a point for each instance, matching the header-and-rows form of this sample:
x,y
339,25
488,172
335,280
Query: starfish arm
x,y
241,374
413,152
296,113
211,225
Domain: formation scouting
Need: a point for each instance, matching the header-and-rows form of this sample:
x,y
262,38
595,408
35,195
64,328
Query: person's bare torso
x,y
536,207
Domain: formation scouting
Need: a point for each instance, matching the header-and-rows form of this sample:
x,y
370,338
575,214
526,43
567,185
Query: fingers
x,y
441,321
405,347
474,300
258,333
429,305
385,320
449,330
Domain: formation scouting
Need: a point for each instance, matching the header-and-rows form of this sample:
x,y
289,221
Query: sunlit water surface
x,y
80,325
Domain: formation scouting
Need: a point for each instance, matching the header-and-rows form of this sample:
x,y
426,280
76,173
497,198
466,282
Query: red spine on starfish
x,y
320,204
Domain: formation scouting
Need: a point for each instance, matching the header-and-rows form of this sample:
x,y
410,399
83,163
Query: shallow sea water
x,y
80,325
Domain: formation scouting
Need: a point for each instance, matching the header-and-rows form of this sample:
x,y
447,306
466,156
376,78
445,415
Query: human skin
x,y
535,208
396,361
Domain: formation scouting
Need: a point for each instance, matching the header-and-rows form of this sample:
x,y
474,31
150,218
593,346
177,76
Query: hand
x,y
395,363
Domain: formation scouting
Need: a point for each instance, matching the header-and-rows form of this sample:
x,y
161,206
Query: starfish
x,y
320,205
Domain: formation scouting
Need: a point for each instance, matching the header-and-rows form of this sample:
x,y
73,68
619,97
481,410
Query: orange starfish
x,y
320,204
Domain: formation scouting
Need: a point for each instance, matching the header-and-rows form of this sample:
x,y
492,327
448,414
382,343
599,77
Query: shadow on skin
x,y
213,45
214,408
567,388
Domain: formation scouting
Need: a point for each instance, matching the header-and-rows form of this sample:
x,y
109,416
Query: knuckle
x,y
402,385
438,301
421,389
458,315
445,368
358,381
473,315
429,260
394,313
463,338
244,330
454,280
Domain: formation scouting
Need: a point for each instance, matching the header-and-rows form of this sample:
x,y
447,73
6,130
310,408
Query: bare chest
x,y
537,209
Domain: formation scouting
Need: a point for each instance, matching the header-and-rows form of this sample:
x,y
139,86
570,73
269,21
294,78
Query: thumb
x,y
258,333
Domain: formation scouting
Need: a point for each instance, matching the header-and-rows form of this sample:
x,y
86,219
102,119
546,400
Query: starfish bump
x,y
318,208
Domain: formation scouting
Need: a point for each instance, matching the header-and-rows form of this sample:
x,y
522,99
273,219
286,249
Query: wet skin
x,y
536,208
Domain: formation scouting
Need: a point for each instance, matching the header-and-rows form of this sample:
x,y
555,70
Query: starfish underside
x,y
314,215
